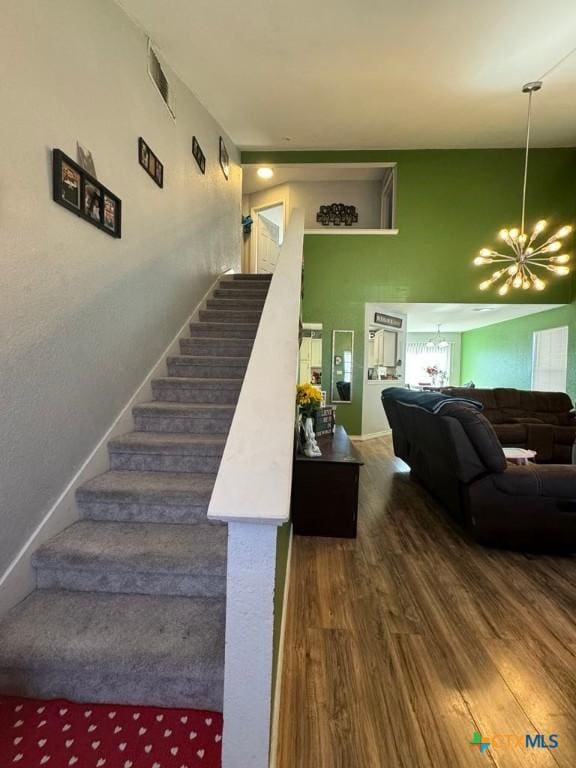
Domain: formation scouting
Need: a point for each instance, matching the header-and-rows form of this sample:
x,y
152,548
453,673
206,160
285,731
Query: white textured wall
x,y
83,316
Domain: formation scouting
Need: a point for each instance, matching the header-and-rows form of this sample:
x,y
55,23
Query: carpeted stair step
x,y
245,292
146,497
232,285
212,347
189,390
183,417
230,316
234,304
231,330
161,452
141,558
249,277
191,366
128,649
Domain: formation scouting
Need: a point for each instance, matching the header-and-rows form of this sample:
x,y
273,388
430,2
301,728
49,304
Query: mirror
x,y
342,361
310,361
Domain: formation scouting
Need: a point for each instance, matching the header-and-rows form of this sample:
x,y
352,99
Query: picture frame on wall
x,y
150,162
78,191
198,155
224,159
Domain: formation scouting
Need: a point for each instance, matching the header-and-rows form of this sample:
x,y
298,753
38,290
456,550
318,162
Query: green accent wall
x,y
500,355
449,204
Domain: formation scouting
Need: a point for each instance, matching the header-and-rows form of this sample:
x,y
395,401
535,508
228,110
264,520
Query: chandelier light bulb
x,y
513,270
485,252
517,282
513,233
555,246
479,260
538,284
564,231
558,270
483,286
525,284
503,290
564,258
540,226
503,234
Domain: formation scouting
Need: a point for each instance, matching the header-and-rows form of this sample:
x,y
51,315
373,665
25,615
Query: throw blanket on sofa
x,y
429,401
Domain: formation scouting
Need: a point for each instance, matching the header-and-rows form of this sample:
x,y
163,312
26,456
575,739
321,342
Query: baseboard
x,y
370,435
18,580
280,661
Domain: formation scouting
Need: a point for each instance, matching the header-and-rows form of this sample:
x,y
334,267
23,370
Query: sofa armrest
x,y
552,481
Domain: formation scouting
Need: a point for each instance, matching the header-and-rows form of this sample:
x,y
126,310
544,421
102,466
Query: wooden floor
x,y
403,642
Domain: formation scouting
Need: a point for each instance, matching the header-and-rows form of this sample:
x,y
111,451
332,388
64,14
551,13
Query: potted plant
x,y
308,400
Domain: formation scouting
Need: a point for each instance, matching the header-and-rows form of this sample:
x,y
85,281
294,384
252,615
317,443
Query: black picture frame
x,y
198,155
81,193
224,159
150,162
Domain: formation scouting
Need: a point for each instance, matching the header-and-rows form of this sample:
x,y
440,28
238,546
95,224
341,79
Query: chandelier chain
x,y
528,121
558,63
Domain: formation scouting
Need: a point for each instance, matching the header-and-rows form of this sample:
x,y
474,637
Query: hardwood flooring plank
x,y
401,643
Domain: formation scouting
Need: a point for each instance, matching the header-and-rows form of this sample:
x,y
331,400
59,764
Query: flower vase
x,y
310,445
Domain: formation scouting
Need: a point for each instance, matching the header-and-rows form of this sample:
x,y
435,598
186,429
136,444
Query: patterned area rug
x,y
59,734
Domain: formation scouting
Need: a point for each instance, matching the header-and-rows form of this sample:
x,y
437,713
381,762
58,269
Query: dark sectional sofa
x,y
542,421
456,455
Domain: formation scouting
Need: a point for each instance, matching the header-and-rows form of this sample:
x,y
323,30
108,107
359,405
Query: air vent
x,y
160,80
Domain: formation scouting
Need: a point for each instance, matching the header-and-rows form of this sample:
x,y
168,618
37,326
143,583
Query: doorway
x,y
267,237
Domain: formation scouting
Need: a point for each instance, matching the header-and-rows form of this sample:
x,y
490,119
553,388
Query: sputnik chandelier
x,y
520,266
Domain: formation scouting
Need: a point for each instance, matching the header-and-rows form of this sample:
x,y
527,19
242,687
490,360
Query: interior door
x,y
267,246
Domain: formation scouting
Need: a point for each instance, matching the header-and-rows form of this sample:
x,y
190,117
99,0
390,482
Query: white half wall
x,y
84,317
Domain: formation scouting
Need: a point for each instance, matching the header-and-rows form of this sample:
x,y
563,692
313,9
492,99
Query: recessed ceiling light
x,y
265,173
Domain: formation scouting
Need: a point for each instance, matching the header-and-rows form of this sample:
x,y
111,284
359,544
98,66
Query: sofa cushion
x,y
504,405
480,433
512,434
534,480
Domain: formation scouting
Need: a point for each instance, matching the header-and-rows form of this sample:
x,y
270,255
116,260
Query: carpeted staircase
x,y
130,600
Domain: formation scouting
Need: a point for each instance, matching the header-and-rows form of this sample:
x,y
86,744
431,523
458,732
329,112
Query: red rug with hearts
x,y
59,734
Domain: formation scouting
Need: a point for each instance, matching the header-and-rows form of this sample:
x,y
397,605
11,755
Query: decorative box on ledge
x,y
324,420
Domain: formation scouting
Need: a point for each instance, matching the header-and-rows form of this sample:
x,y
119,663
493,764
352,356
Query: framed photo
x,y
224,159
92,201
149,161
111,221
198,154
80,192
69,183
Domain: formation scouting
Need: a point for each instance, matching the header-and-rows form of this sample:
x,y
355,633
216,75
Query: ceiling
x,y
374,73
291,172
462,317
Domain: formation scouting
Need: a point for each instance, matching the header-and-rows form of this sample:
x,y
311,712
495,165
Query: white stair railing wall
x,y
252,494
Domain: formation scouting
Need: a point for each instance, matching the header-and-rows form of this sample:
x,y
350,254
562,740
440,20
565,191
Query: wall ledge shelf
x,y
350,231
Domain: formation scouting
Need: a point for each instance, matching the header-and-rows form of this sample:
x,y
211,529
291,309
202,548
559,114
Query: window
x,y
419,357
160,80
550,360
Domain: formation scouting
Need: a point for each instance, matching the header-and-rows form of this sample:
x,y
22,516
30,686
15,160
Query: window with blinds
x,y
550,360
419,357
